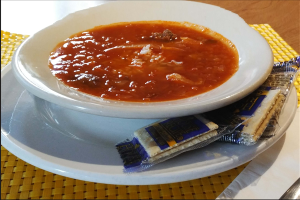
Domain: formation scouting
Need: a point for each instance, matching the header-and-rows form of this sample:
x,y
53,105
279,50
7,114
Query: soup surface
x,y
144,61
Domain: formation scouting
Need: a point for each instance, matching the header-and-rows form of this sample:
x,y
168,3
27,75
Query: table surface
x,y
282,16
27,17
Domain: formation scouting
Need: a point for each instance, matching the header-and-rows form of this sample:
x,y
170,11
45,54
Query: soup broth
x,y
147,61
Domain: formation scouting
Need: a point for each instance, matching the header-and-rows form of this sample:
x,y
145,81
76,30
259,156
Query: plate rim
x,y
135,111
185,175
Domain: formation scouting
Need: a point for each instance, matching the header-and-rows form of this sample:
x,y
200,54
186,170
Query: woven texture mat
x,y
20,180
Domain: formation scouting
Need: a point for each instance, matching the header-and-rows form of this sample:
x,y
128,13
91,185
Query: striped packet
x,y
252,129
264,122
168,138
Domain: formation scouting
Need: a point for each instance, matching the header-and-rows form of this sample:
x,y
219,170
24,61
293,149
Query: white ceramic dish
x,y
30,62
81,146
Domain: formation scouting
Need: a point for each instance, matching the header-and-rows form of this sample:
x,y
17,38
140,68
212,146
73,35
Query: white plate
x,y
30,62
81,146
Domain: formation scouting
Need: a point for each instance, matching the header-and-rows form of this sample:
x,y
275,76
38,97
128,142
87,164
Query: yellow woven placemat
x,y
20,180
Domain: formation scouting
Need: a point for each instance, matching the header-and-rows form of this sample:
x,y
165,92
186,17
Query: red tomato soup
x,y
144,61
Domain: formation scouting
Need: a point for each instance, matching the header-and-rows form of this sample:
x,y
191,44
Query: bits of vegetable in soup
x,y
144,61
